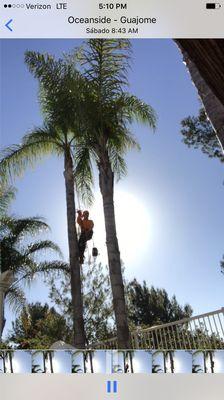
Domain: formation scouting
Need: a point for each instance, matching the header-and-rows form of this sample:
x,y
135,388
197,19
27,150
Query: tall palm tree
x,y
60,98
109,111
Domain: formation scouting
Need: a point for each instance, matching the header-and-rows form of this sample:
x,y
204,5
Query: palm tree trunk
x,y
91,362
171,362
1,311
106,182
205,361
10,362
44,362
76,290
213,106
212,362
164,362
84,355
131,361
2,357
51,362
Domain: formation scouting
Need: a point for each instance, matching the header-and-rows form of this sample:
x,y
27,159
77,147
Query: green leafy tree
x,y
108,116
198,133
222,265
151,306
98,310
39,326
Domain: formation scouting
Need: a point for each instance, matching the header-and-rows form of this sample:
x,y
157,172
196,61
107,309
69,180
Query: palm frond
x,y
46,134
7,194
47,267
45,245
105,63
134,109
44,67
61,87
18,228
118,164
83,173
16,299
17,158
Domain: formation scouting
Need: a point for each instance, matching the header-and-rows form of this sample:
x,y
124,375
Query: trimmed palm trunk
x,y
106,182
76,291
51,362
10,362
44,362
213,106
171,362
205,365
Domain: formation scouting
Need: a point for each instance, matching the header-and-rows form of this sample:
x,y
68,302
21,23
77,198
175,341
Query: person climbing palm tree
x,y
86,226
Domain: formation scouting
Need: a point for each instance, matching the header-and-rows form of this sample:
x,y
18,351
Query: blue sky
x,y
174,220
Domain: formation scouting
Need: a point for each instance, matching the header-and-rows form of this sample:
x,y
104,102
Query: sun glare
x,y
134,228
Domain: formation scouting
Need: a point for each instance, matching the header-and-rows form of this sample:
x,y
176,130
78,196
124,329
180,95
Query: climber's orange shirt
x,y
85,224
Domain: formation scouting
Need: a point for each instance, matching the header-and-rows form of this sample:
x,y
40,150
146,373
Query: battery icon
x,y
213,6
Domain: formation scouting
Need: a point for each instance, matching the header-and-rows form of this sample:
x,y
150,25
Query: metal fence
x,y
205,331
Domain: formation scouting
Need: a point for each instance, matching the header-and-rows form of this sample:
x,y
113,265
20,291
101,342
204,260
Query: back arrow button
x,y
7,25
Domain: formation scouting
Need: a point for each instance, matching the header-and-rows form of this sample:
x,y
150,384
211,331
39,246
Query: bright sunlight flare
x,y
134,226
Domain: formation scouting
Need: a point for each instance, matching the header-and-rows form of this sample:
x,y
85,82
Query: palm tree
x,y
20,254
76,368
158,368
36,369
60,91
38,362
91,354
209,358
3,358
168,361
130,355
9,356
197,368
50,358
109,111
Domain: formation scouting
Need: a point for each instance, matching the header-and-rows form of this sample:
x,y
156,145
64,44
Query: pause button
x,y
111,386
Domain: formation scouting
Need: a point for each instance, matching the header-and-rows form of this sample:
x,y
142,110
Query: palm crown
x,y
21,250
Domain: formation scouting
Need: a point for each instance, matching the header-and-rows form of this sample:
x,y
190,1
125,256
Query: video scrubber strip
x,y
111,361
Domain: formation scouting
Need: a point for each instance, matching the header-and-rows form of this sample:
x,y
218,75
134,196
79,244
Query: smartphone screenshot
x,y
111,200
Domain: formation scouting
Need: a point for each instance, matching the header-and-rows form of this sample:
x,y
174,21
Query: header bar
x,y
112,18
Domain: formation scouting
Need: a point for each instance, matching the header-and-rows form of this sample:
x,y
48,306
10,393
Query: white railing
x,y
205,331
